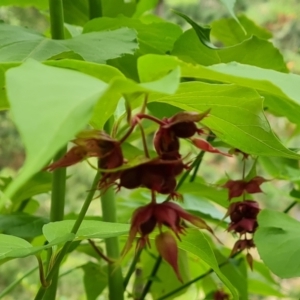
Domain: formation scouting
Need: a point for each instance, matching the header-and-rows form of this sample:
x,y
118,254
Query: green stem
x,y
56,213
95,9
115,279
59,176
74,230
150,280
132,267
57,19
290,206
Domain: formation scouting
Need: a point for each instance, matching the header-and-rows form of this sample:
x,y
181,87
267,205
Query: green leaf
x,y
236,272
112,44
202,32
149,35
165,279
45,113
144,6
195,243
41,4
22,225
258,287
76,12
12,246
201,190
15,247
280,167
19,44
279,231
251,52
229,33
40,183
89,229
198,204
94,279
229,4
281,91
236,115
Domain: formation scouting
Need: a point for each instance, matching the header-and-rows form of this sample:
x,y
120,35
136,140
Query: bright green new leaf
x,y
278,243
252,51
195,243
50,113
89,229
230,33
236,115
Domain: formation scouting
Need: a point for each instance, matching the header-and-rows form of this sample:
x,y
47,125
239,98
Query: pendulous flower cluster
x,y
158,174
243,214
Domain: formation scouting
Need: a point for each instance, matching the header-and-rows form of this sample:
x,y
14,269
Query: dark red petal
x,y
165,141
249,259
167,247
186,116
184,129
235,188
253,186
206,146
72,157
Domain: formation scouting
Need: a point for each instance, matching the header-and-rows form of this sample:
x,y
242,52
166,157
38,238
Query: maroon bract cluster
x,y
243,214
157,174
169,214
91,143
221,295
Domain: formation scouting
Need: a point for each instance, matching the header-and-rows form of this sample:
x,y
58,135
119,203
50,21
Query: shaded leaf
x,y
149,35
94,279
229,33
22,225
251,51
279,231
19,44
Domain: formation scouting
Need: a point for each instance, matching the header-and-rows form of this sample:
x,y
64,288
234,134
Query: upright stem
x,y
95,8
59,176
57,19
64,250
115,279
